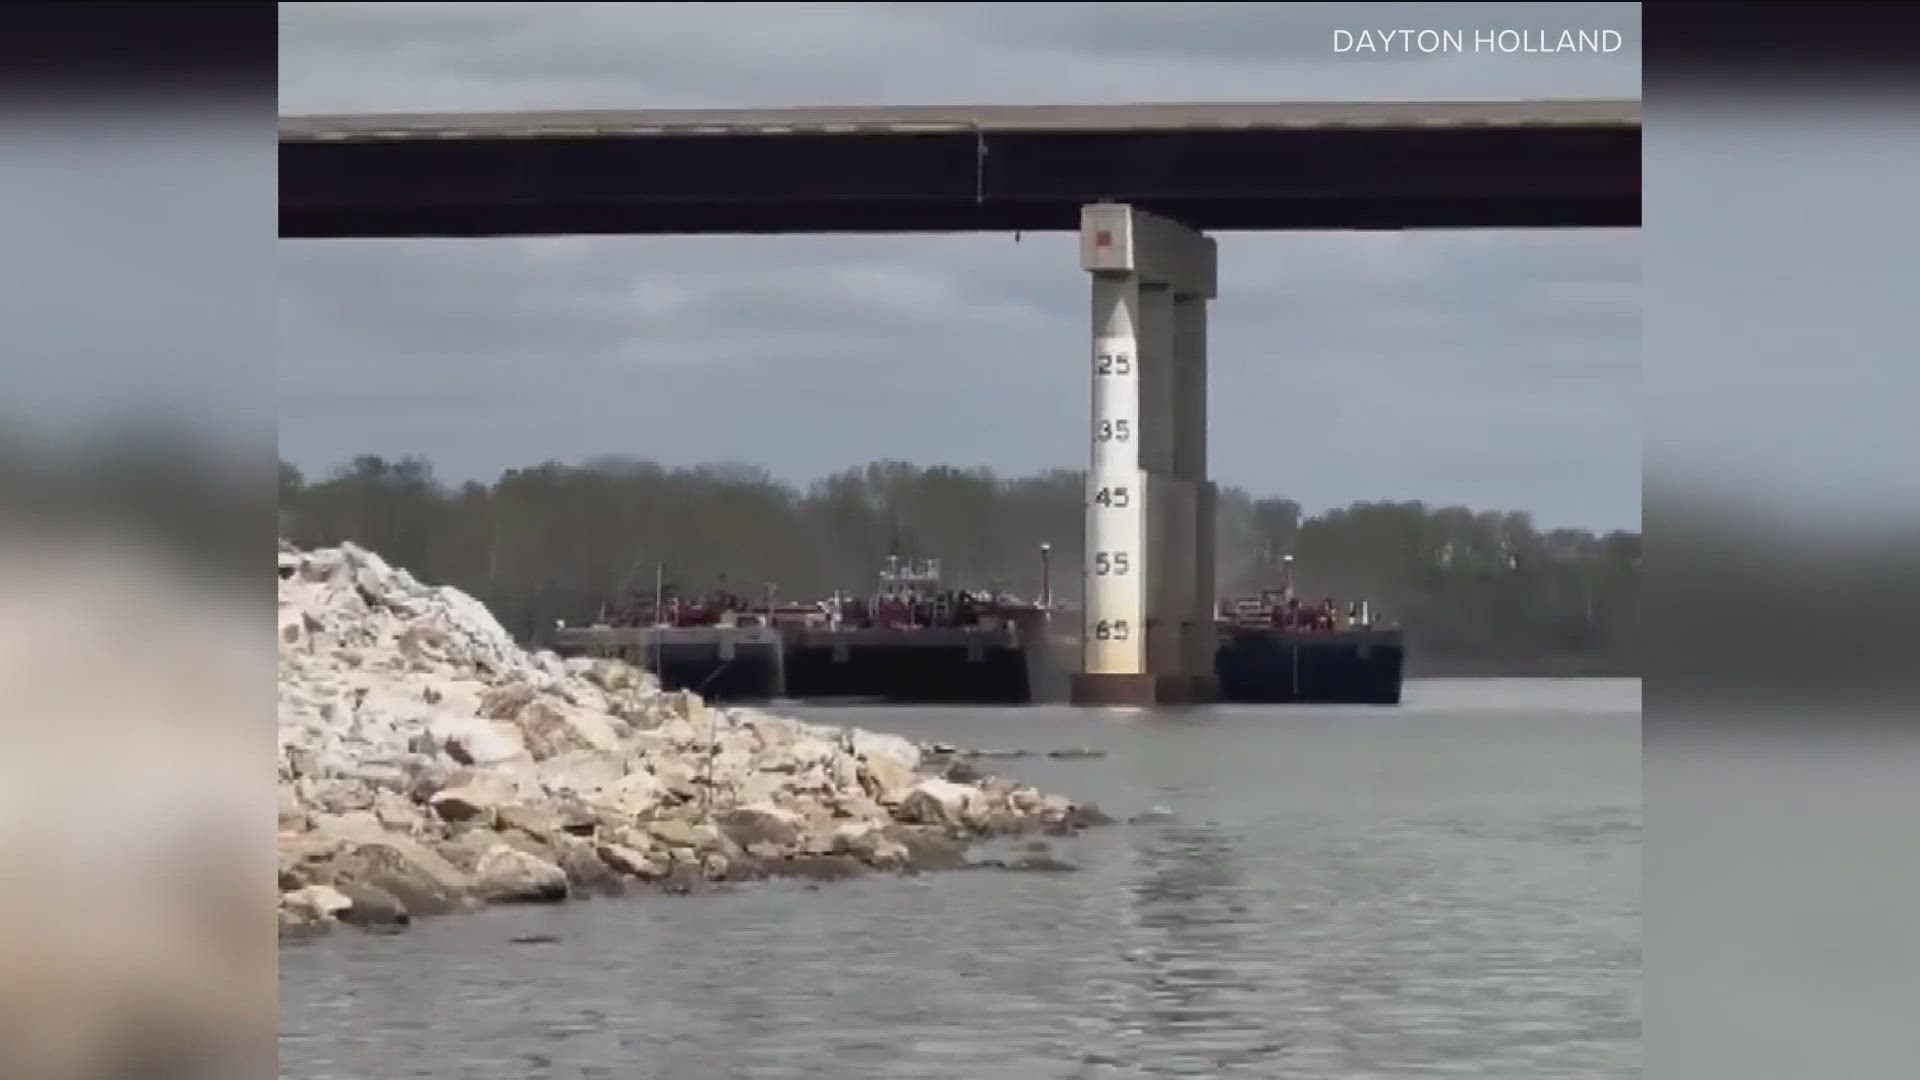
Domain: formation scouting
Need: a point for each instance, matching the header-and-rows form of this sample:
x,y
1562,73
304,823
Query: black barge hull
x,y
928,667
935,667
1270,667
914,667
718,663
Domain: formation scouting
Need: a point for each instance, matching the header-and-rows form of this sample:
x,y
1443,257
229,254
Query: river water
x,y
1450,888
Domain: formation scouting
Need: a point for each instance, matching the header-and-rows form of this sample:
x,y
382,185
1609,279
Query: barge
x,y
1275,648
1274,665
913,641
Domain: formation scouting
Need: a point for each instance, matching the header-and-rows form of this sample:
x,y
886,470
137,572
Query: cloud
x,y
506,55
1498,368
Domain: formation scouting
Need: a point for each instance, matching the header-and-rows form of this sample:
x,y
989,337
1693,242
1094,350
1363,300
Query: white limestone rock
x,y
315,904
626,860
934,801
425,757
762,823
888,780
474,799
870,746
580,773
868,842
631,796
506,874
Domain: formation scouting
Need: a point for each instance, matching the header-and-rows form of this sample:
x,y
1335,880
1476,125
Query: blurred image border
x,y
1779,695
137,932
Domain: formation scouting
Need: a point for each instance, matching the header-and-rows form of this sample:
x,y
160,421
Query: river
x,y
1450,888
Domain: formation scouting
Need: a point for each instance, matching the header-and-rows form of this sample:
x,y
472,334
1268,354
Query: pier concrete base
x,y
1148,635
1142,690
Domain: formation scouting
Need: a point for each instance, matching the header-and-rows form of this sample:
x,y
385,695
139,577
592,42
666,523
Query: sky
x,y
1496,369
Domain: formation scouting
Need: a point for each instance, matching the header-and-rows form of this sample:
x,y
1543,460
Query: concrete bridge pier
x,y
1148,634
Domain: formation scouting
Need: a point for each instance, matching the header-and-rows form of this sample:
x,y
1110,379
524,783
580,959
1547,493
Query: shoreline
x,y
346,870
316,909
429,766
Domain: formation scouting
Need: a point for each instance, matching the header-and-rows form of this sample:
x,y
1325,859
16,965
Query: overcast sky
x,y
1496,369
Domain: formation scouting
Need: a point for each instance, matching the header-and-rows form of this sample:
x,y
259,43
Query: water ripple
x,y
1432,894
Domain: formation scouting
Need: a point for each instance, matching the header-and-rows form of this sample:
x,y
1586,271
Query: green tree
x,y
1482,590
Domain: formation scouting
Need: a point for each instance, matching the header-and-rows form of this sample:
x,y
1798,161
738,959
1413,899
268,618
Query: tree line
x,y
1476,591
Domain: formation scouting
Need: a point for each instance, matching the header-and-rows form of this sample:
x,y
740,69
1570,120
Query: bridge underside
x,y
1347,178
935,216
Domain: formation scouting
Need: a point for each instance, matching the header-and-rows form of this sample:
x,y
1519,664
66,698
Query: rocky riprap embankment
x,y
427,764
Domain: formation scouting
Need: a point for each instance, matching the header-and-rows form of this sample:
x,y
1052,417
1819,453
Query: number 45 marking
x,y
1113,497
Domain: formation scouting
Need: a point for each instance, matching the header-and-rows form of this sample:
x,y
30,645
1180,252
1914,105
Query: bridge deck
x,y
1333,165
1164,116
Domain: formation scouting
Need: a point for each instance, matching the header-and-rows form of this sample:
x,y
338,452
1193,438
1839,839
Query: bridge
x,y
1213,167
1143,185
